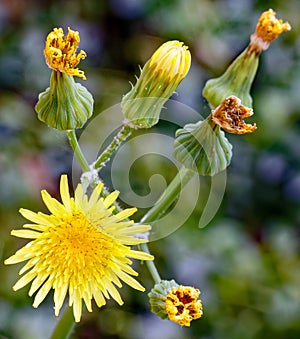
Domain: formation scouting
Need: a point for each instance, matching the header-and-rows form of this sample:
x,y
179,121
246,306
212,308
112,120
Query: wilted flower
x,y
175,302
238,77
60,52
159,78
65,105
230,114
183,306
81,248
267,29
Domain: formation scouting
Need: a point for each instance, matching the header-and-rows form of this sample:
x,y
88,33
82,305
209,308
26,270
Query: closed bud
x,y
159,78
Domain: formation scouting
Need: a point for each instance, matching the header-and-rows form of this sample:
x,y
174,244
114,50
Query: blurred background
x,y
246,260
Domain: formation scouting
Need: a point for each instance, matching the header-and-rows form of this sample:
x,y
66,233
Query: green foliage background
x,y
246,261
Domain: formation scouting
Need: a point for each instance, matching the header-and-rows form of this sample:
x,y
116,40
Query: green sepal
x,y
237,80
65,105
158,296
203,147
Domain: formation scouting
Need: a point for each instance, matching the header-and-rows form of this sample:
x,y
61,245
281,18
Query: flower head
x,y
230,114
60,52
183,306
159,78
268,28
175,302
81,248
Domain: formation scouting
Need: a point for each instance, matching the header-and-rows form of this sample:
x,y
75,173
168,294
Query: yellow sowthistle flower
x,y
60,52
159,78
183,306
268,28
81,248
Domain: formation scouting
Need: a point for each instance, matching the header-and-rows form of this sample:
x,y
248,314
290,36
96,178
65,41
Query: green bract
x,y
237,80
65,105
203,147
158,295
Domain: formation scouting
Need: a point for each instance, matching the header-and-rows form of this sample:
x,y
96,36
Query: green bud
x,y
65,105
159,78
237,80
203,147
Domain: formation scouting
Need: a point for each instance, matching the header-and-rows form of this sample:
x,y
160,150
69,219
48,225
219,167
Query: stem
x,y
64,326
77,151
81,158
169,195
104,157
161,206
150,265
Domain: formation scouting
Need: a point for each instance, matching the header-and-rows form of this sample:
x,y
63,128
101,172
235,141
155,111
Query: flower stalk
x,y
65,325
104,157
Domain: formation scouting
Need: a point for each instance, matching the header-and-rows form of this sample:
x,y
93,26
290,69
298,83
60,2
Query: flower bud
x,y
238,77
158,80
179,304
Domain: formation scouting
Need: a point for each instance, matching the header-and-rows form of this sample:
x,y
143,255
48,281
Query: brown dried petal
x,y
230,114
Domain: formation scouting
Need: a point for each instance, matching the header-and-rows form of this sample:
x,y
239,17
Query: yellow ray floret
x,y
60,52
80,249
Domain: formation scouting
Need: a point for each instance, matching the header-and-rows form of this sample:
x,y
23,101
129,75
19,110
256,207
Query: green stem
x,y
161,206
150,265
104,157
81,158
77,151
65,325
169,195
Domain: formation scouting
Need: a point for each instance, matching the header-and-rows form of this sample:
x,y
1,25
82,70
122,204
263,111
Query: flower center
x,y
77,246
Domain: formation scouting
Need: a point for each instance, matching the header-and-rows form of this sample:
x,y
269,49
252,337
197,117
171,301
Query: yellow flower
x,y
230,114
268,28
183,306
81,248
60,52
159,78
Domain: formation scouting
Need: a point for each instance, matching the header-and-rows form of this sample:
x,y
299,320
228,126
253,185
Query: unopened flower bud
x,y
179,304
159,78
